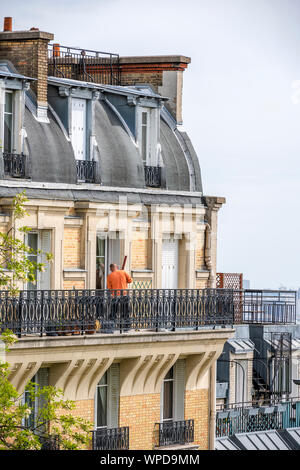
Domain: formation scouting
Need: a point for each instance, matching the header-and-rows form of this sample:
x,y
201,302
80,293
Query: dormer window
x,y
8,122
78,127
148,142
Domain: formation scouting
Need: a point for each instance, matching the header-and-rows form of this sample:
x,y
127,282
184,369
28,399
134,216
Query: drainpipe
x,y
207,256
212,414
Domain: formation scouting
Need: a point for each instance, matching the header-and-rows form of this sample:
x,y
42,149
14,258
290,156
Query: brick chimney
x,y
163,73
28,52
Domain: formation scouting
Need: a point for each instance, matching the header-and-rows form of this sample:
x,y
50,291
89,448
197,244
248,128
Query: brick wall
x,y
152,78
139,253
27,50
197,408
140,413
72,239
83,409
201,283
76,283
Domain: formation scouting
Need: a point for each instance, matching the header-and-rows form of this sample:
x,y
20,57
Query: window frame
x,y
13,125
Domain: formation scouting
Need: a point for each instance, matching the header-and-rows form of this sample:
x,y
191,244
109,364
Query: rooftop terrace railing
x,y
265,306
87,311
83,64
251,417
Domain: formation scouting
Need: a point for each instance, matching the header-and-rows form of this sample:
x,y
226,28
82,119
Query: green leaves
x,y
24,426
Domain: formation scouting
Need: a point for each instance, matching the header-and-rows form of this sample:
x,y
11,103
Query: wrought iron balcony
x,y
83,64
14,164
111,439
153,176
55,312
61,312
86,171
175,433
252,417
50,442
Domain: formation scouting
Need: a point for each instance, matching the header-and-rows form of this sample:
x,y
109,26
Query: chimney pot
x,y
7,23
56,50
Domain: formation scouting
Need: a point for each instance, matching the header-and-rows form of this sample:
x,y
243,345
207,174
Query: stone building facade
x,y
110,173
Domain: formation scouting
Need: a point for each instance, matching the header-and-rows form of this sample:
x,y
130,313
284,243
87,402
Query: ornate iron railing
x,y
111,439
175,432
83,64
87,311
252,417
50,442
14,164
86,170
153,176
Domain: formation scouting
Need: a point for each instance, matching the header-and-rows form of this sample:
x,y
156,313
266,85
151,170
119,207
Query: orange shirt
x,y
118,280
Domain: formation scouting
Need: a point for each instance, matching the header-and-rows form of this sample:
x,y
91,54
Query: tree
x,y
15,265
21,427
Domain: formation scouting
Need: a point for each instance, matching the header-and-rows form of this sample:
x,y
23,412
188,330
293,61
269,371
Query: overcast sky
x,y
240,107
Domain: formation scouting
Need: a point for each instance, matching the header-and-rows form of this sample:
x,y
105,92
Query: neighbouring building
x,y
258,373
96,141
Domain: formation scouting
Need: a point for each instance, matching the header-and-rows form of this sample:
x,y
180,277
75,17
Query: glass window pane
x,y
33,243
7,133
33,240
103,380
100,246
144,118
144,143
101,406
170,374
168,400
8,102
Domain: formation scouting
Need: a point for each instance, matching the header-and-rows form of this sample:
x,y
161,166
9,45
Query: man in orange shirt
x,y
116,281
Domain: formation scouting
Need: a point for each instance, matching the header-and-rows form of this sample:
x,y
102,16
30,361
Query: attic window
x,y
8,122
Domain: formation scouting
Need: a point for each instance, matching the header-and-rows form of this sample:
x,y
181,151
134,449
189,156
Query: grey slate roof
x,y
286,439
120,162
51,155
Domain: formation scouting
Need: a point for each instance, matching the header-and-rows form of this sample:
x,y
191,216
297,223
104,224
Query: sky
x,y
241,106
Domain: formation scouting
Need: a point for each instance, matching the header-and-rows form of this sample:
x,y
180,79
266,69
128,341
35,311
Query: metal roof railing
x,y
83,64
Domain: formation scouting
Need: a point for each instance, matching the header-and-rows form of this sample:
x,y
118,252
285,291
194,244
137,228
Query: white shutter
x,y
46,248
113,396
241,379
170,264
179,389
79,128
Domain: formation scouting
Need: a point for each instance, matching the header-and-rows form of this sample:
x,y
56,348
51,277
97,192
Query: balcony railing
x,y
175,433
86,171
252,417
59,312
153,176
50,442
14,164
83,64
111,439
104,311
266,306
